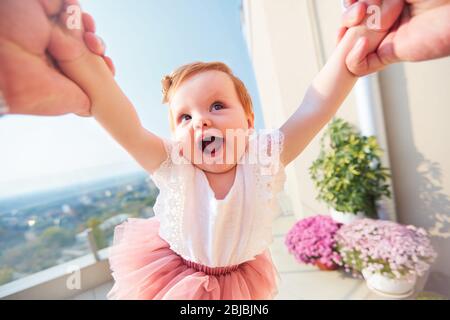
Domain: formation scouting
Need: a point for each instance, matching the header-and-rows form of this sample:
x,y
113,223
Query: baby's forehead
x,y
207,81
203,88
191,100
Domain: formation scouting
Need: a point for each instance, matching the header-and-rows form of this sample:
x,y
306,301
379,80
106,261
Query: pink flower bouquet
x,y
384,247
311,240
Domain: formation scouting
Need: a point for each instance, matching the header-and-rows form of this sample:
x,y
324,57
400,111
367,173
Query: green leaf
x,y
342,172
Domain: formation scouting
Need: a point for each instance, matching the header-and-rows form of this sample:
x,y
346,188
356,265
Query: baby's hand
x,y
380,18
72,39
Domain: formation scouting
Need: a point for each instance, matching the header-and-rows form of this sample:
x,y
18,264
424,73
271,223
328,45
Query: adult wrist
x,y
4,108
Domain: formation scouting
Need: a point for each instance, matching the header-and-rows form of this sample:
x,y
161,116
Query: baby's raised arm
x,y
334,82
110,107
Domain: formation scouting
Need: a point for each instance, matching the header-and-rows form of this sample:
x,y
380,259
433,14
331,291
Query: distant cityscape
x,y
41,230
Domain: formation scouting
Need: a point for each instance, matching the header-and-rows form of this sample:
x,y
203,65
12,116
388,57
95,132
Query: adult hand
x,y
30,83
421,33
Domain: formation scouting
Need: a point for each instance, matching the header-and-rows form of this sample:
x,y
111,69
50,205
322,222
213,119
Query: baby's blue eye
x,y
217,106
185,117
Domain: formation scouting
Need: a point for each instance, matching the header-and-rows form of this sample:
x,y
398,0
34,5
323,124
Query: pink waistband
x,y
215,271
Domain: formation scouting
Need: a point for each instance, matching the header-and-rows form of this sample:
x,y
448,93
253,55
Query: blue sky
x,y
146,39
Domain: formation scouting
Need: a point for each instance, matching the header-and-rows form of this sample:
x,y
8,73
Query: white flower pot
x,y
346,217
383,285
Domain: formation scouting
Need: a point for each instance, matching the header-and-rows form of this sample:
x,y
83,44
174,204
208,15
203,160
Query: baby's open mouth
x,y
210,145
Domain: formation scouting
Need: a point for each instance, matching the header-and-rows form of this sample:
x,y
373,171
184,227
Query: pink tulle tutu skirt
x,y
144,267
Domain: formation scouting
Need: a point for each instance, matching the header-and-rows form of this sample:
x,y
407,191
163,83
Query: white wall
x,y
286,56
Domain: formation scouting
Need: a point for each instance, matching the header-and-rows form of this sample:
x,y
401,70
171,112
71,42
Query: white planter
x,y
395,288
346,217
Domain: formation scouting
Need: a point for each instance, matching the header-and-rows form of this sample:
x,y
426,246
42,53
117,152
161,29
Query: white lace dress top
x,y
218,233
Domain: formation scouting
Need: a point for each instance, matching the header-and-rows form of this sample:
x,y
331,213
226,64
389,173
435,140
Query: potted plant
x,y
390,256
348,173
311,240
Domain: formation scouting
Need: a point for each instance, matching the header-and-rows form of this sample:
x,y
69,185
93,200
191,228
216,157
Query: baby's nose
x,y
202,122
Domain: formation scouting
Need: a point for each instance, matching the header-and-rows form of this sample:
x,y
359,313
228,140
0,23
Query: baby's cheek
x,y
186,145
179,134
183,136
234,151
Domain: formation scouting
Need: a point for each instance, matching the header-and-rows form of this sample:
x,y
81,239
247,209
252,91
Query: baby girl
x,y
218,178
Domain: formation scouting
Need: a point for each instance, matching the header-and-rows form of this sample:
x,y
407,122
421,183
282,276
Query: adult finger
x,y
360,62
4,108
358,54
386,50
389,13
88,22
94,43
72,3
340,34
356,58
354,14
110,64
348,3
52,7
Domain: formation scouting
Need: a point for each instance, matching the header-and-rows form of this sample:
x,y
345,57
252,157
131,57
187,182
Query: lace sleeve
x,y
164,171
269,171
269,145
171,182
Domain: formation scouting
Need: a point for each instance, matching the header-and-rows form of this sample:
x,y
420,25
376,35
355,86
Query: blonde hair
x,y
171,82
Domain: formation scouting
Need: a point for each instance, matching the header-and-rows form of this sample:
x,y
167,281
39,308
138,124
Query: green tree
x,y
6,275
56,237
99,235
